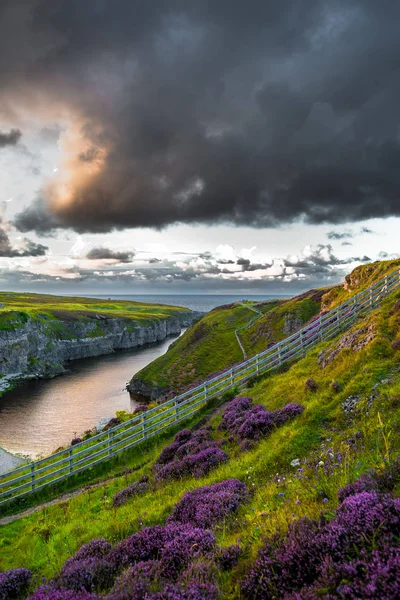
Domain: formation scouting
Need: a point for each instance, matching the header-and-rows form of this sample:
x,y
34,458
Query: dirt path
x,y
239,341
58,500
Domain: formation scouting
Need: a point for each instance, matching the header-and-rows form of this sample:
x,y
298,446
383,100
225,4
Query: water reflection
x,y
39,416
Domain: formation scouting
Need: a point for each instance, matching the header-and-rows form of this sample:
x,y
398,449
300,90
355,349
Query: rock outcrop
x,y
41,347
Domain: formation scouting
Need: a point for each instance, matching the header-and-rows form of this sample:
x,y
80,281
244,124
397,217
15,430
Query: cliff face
x,y
40,348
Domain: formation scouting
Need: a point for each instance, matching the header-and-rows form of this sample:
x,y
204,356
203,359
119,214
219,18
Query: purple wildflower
x,y
205,506
139,487
14,582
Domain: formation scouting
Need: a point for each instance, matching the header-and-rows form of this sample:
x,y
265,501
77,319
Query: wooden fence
x,y
75,459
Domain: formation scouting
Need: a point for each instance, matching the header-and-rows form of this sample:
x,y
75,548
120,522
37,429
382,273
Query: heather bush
x,y
88,569
258,423
383,481
137,582
287,413
98,548
14,582
173,542
75,441
227,558
88,574
195,464
139,487
252,422
317,555
206,506
46,592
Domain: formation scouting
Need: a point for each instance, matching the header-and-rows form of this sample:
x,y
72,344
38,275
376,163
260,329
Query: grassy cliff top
x,y
294,472
211,345
71,307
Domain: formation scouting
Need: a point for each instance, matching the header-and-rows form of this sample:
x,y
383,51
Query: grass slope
x,y
210,346
333,446
18,308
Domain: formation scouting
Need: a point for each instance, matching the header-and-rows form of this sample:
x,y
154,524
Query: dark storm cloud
x,y
10,139
193,111
366,230
99,253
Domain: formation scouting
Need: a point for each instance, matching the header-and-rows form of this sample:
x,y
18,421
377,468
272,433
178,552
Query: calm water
x,y
39,416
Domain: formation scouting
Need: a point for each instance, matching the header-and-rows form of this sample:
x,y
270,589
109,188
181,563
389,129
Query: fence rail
x,y
105,445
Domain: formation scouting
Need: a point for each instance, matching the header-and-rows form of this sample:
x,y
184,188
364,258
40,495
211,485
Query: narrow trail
x,y
253,320
54,502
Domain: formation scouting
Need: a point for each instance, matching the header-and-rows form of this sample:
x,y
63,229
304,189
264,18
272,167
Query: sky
x,y
196,146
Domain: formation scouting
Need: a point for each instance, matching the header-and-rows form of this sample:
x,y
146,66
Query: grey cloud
x,y
254,113
100,252
10,139
29,249
336,235
366,230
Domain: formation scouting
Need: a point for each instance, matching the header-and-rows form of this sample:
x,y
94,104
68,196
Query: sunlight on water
x,y
39,416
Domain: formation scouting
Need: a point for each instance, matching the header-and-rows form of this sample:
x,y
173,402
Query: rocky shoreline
x,y
40,349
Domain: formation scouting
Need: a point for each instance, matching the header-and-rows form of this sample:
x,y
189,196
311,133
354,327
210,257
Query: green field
x,y
44,540
18,308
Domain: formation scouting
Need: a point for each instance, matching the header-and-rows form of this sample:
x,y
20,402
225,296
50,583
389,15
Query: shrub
x,y
170,544
195,464
228,557
317,557
14,582
75,441
311,385
139,487
252,422
191,453
384,481
87,574
46,592
205,506
98,548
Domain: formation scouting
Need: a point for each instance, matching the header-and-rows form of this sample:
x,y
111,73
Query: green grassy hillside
x,y
20,307
211,346
350,423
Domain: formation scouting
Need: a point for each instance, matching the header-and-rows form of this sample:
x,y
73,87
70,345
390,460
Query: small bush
x,y
14,582
205,506
139,487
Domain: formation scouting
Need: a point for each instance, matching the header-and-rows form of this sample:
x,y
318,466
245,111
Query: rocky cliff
x,y
41,347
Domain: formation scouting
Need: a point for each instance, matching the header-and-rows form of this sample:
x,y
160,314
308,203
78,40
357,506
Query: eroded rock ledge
x,y
40,348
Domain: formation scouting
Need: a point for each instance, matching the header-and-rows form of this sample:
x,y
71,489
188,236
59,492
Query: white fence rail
x,y
75,459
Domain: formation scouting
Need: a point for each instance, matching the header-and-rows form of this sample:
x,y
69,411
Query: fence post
x,y
302,342
144,425
33,475
321,331
110,442
71,466
386,285
232,378
205,391
176,410
257,364
279,354
371,297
